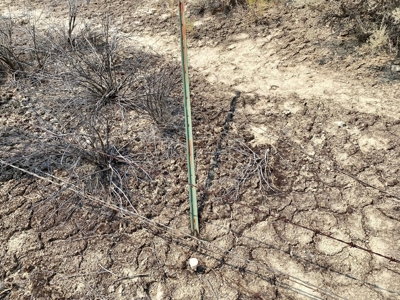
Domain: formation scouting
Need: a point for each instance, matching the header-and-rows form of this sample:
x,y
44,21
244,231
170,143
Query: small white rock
x,y
193,263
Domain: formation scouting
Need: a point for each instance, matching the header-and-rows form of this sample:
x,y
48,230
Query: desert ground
x,y
297,174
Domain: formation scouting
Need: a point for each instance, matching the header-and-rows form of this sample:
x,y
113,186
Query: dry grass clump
x,y
396,15
9,55
379,39
376,22
27,58
95,64
214,6
156,91
253,8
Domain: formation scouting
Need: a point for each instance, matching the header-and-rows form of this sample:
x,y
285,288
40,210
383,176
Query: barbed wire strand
x,y
284,219
316,231
292,254
178,234
336,169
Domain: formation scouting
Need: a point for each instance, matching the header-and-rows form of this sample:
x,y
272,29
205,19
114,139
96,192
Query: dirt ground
x,y
297,177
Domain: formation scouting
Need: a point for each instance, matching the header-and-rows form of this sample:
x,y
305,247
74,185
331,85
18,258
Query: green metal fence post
x,y
194,217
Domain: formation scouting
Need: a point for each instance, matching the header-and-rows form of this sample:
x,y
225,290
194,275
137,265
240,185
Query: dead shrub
x,y
156,95
11,53
95,64
106,71
373,21
24,50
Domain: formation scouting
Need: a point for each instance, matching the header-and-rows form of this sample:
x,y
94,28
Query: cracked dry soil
x,y
313,139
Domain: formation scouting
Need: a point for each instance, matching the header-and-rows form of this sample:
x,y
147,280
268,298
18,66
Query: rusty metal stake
x,y
194,217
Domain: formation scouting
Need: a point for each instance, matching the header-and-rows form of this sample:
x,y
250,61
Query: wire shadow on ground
x,y
217,153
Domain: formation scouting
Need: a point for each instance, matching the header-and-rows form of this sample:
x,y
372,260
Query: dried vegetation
x,y
83,89
374,21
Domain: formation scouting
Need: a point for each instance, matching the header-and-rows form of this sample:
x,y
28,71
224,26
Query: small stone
x,y
193,263
286,113
392,181
395,68
218,129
